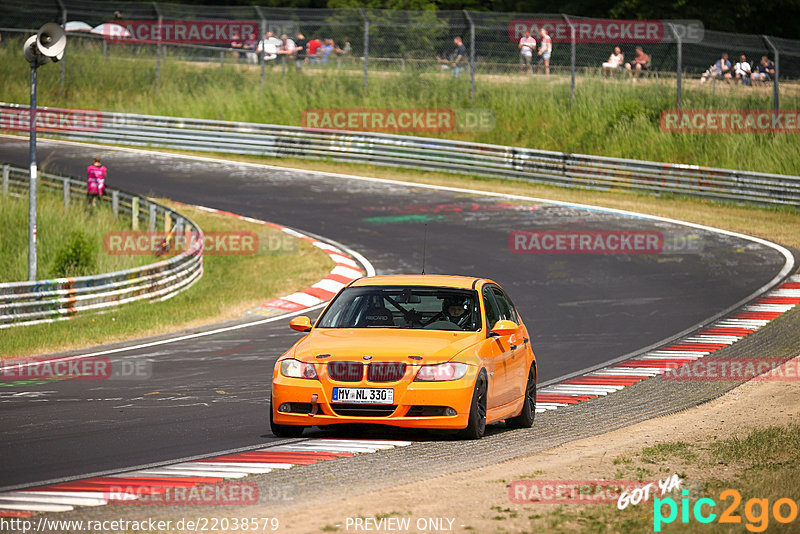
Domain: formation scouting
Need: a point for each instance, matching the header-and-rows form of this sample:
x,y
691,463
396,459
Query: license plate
x,y
363,395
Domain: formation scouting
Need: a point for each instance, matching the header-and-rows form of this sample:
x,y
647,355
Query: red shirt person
x,y
95,179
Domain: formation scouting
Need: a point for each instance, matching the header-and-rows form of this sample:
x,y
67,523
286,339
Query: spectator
x,y
237,46
614,62
742,70
545,49
765,70
456,58
640,63
327,48
249,48
527,45
269,46
300,45
95,181
313,49
345,52
287,49
719,70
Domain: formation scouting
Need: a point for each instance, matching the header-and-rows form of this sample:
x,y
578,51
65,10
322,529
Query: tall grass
x,y
55,226
609,117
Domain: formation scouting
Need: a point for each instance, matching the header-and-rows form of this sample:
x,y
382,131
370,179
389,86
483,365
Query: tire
x,y
283,431
526,416
476,426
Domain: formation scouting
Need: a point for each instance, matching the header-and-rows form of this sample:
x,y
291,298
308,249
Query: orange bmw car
x,y
417,351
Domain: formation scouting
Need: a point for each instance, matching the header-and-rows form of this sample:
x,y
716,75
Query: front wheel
x,y
525,417
477,411
283,431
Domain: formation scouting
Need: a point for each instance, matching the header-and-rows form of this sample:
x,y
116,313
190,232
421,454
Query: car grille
x,y
364,410
346,371
385,371
426,411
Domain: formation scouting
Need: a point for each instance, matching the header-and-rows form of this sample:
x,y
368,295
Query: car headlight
x,y
441,372
297,369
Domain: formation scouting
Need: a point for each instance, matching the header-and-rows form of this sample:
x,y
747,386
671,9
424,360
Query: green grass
x,y
231,284
55,225
613,118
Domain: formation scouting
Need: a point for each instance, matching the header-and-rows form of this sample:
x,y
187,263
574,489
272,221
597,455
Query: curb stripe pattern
x,y
717,335
345,270
98,491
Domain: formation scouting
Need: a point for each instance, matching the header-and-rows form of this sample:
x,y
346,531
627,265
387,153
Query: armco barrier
x,y
25,303
540,166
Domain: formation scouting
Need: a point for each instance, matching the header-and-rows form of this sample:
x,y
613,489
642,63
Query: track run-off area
x,y
208,394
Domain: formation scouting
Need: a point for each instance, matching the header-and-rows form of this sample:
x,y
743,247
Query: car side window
x,y
506,310
492,313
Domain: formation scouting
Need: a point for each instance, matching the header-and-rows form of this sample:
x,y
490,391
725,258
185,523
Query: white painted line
x,y
52,499
248,465
667,357
326,246
197,466
329,285
354,450
551,405
592,389
304,299
676,353
784,293
623,372
34,506
396,443
748,323
780,308
177,472
658,370
708,338
89,494
338,258
346,272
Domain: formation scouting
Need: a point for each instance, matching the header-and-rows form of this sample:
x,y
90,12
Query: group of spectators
x,y
299,49
742,71
527,46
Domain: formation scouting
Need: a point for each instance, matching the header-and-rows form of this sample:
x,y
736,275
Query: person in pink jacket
x,y
95,180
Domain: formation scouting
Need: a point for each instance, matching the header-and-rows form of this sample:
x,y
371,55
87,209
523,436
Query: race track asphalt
x,y
211,393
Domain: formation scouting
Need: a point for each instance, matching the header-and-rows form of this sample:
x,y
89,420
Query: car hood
x,y
384,344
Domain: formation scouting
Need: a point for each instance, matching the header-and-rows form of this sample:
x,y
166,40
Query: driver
x,y
456,311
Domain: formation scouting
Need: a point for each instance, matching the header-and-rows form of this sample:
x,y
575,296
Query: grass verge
x,y
231,284
69,240
609,117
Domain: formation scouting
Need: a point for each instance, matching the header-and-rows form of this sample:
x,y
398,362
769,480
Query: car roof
x,y
432,280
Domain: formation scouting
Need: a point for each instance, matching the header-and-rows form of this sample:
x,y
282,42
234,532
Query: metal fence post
x,y
262,42
679,68
775,88
135,213
6,171
572,59
63,25
115,202
471,55
158,48
366,47
152,225
66,193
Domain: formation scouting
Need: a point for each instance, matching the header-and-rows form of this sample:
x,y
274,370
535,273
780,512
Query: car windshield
x,y
428,308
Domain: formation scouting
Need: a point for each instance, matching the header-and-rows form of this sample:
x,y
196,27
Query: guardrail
x,y
26,303
430,154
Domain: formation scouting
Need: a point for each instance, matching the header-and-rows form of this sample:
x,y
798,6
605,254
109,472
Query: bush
x,y
76,257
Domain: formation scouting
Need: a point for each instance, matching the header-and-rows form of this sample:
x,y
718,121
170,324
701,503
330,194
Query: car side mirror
x,y
505,328
301,323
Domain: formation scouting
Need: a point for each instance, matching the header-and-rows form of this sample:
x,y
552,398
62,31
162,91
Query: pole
x,y
366,47
471,55
263,29
572,59
679,71
158,48
775,91
33,170
63,25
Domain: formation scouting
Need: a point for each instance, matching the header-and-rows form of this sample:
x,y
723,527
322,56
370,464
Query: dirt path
x,y
463,502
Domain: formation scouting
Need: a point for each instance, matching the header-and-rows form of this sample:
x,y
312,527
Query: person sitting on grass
x,y
614,62
765,70
721,70
640,63
742,70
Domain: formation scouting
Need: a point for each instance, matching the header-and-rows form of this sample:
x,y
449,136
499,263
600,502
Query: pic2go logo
x,y
756,511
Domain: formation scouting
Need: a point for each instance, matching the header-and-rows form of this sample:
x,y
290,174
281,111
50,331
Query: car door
x,y
495,353
516,369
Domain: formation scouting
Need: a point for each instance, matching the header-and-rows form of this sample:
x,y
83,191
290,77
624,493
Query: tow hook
x,y
314,406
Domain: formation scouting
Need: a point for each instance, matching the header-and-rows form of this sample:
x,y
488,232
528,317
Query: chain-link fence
x,y
477,47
